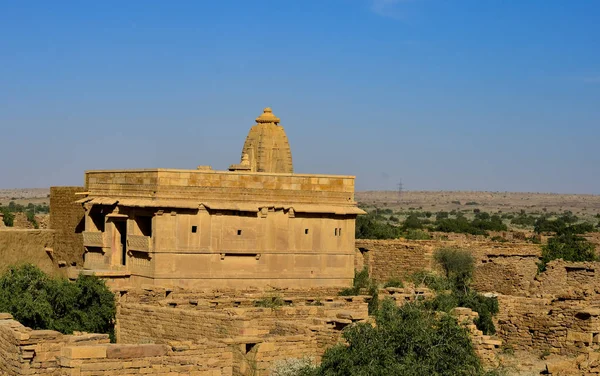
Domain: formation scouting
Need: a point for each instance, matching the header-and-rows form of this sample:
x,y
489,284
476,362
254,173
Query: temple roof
x,y
267,117
266,148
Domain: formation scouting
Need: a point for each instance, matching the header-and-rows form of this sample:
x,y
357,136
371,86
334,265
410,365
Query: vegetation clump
x,y
370,227
362,281
569,247
458,267
30,210
407,340
393,282
41,302
417,235
480,225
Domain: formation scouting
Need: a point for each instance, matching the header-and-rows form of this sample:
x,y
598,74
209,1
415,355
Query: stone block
x,y
135,351
579,336
84,352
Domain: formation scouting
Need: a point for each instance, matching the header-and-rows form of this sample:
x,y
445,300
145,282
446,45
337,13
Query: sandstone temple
x,y
258,224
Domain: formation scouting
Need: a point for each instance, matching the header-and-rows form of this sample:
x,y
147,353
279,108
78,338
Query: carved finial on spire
x,y
267,117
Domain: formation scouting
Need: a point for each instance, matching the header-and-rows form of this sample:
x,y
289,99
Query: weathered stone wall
x,y
177,358
507,268
19,246
21,221
259,336
560,314
66,218
24,351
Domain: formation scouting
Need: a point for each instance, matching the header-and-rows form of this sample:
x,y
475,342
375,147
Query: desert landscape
x,y
230,188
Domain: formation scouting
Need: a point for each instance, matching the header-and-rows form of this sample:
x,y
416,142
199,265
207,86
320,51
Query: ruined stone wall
x,y
177,358
24,351
66,218
295,327
560,314
21,221
139,323
388,259
549,324
507,268
19,246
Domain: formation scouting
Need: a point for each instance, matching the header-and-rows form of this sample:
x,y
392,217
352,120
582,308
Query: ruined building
x,y
258,224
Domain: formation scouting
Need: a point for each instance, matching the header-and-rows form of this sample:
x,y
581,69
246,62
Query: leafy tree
x,y
369,227
458,267
412,222
362,281
8,217
569,247
41,302
417,235
31,218
409,340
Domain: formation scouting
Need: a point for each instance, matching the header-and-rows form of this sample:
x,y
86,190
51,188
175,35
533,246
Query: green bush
x,y
458,266
412,222
569,247
393,282
417,235
31,218
523,220
362,281
371,226
430,280
409,340
41,302
9,217
482,223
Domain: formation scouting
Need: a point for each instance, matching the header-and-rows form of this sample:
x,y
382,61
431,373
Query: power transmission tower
x,y
400,186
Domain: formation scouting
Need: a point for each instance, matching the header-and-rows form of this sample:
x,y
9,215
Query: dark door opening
x,y
121,227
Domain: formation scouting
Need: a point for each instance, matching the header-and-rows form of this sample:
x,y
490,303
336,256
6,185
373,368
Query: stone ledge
x,y
135,351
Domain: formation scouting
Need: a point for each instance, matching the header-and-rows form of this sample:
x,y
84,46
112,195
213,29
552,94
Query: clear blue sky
x,y
446,95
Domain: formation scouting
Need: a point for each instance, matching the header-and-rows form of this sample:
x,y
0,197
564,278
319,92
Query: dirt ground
x,y
36,196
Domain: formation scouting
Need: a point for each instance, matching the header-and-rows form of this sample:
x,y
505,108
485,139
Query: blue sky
x,y
442,94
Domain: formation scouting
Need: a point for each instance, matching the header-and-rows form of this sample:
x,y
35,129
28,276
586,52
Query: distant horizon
x,y
383,191
441,95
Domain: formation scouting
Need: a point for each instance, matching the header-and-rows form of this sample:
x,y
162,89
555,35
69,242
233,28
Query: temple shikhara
x,y
257,224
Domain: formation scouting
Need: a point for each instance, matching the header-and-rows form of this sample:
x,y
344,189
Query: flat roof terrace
x,y
159,187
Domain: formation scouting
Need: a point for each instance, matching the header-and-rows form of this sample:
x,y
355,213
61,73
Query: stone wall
x,y
507,268
295,327
560,314
66,219
18,246
24,351
20,221
176,358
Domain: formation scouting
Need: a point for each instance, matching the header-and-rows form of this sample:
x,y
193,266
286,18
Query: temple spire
x,y
266,148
